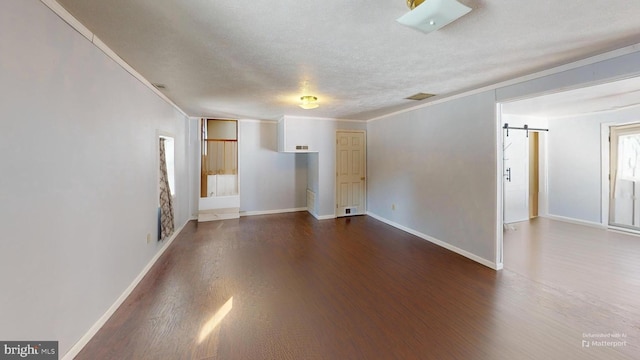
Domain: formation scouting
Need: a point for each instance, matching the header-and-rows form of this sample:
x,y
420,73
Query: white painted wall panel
x,y
270,180
574,168
79,178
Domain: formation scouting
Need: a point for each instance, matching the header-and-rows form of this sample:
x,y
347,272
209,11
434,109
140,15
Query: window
x,y
629,157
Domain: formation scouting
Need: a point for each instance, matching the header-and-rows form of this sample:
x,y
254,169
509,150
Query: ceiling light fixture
x,y
309,102
431,15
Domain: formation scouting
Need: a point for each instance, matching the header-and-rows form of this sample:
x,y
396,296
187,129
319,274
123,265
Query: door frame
x,y
605,141
366,175
543,182
526,176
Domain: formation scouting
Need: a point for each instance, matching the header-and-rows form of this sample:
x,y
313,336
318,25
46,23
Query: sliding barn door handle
x,y
508,175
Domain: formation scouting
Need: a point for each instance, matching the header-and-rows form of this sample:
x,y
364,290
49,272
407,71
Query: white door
x,y
350,173
516,176
624,207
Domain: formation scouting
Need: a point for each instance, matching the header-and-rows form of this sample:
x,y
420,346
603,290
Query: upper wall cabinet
x,y
296,135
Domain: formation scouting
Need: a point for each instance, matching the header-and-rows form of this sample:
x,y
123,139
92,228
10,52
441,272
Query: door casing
x,y
354,201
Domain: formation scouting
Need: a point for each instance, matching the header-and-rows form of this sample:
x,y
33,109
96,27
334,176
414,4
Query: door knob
x,y
362,178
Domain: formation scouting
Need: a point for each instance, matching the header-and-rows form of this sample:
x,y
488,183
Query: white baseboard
x,y
78,346
323,217
269,212
440,243
574,221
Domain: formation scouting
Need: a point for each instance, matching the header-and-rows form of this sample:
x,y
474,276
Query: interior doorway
x,y
624,173
219,175
522,153
351,171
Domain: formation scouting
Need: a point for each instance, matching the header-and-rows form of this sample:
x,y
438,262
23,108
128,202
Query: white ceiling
x,y
239,59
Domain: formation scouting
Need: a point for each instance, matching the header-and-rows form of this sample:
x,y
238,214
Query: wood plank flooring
x,y
351,288
599,265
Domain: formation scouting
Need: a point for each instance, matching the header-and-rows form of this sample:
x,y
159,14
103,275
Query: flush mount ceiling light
x,y
308,102
431,15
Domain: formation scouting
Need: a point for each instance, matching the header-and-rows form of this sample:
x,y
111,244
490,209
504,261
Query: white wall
x,y
313,178
78,190
437,165
194,166
269,180
575,167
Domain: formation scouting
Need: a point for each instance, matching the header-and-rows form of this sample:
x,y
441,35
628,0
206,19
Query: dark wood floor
x,y
352,288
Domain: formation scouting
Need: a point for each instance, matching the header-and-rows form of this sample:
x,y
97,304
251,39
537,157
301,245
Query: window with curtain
x,y
166,184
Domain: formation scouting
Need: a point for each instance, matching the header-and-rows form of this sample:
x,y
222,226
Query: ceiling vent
x,y
419,96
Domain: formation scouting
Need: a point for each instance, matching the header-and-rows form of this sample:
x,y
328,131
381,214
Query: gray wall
x,y
437,165
79,183
269,180
575,169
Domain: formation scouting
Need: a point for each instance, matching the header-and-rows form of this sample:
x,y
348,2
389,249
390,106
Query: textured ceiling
x,y
603,97
236,59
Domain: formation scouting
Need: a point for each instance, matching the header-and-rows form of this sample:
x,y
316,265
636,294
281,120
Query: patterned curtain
x,y
166,208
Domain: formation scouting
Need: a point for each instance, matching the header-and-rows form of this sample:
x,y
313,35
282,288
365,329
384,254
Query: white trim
x,y
499,244
605,150
84,31
440,243
257,121
323,217
622,230
555,70
269,212
322,118
68,18
80,344
574,221
335,170
605,129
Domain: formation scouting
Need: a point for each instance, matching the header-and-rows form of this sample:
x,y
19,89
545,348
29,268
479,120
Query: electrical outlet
x,y
148,238
393,206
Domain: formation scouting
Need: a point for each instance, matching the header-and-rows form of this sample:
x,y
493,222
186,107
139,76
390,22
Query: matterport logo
x,y
612,340
32,350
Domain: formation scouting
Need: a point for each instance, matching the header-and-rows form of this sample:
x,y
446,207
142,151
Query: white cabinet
x,y
296,135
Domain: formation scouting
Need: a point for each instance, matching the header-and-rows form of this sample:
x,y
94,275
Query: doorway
x,y
219,176
351,160
522,173
624,173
